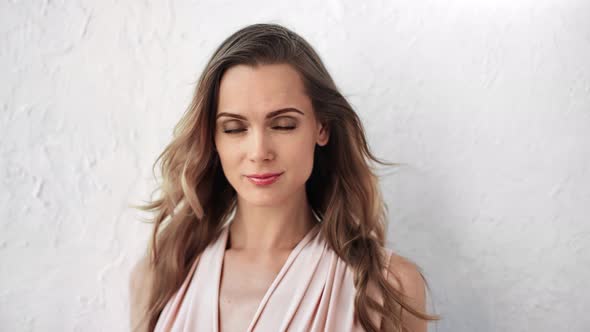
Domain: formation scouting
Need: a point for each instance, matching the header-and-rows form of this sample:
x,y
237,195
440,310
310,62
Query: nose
x,y
260,147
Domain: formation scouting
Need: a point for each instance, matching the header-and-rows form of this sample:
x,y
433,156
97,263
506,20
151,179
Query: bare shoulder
x,y
406,271
140,272
140,282
406,277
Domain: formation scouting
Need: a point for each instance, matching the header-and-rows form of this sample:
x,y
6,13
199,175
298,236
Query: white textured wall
x,y
488,102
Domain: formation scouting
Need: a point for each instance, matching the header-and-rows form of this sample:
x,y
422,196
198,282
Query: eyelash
x,y
237,131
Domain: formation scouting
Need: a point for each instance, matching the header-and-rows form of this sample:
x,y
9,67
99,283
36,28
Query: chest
x,y
244,282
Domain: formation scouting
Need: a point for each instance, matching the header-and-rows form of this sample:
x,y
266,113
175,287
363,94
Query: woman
x,y
270,217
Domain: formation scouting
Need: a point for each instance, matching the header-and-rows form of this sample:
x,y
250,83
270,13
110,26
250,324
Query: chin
x,y
258,199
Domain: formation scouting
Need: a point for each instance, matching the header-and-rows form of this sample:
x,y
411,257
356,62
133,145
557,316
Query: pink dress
x,y
313,291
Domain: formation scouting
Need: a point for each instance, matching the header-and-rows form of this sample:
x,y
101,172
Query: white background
x,y
487,102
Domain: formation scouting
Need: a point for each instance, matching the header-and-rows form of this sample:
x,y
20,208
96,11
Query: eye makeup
x,y
282,123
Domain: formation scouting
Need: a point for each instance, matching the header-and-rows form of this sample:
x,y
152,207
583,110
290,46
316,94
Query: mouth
x,y
264,179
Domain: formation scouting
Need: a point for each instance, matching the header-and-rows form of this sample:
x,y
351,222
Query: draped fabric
x,y
313,291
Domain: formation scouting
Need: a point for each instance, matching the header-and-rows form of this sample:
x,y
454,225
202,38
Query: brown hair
x,y
342,190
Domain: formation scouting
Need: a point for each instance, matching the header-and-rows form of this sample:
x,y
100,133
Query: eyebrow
x,y
268,116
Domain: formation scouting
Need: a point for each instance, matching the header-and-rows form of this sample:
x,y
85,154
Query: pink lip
x,y
265,175
264,179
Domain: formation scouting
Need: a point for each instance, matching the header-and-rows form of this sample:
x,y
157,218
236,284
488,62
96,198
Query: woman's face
x,y
265,124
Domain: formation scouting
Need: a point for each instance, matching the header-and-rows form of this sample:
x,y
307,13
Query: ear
x,y
323,134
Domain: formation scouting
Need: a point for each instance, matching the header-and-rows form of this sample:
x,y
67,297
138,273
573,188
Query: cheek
x,y
227,157
300,158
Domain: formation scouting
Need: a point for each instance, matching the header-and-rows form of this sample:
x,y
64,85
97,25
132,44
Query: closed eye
x,y
237,131
284,128
233,131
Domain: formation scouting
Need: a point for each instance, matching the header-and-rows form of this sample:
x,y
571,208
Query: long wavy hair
x,y
195,197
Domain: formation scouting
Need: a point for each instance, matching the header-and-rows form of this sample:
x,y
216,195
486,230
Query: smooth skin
x,y
265,123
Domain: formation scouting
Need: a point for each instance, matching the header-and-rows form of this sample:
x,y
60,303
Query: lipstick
x,y
264,179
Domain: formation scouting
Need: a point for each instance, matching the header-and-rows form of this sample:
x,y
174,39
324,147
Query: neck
x,y
271,227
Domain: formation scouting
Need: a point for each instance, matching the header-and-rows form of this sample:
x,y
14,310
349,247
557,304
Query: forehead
x,y
248,90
